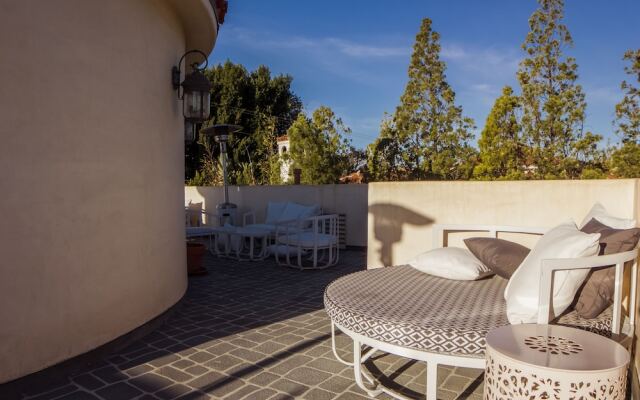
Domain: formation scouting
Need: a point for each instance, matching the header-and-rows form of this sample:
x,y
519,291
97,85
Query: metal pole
x,y
223,153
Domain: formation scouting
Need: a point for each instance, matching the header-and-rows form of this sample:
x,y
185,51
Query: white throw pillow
x,y
451,263
600,213
522,291
274,212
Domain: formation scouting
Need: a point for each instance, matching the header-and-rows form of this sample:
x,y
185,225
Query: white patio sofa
x,y
441,321
281,214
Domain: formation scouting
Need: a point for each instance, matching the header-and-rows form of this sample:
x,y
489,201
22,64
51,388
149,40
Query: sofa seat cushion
x,y
308,239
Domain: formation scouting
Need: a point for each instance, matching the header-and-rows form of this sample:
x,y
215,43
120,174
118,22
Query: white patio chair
x,y
200,223
318,243
281,214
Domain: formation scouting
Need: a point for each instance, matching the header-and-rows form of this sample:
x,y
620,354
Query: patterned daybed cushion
x,y
406,307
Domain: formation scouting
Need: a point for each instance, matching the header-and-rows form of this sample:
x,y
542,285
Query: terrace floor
x,y
249,331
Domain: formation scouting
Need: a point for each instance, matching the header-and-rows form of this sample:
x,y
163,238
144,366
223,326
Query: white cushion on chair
x,y
523,290
194,231
600,213
274,212
308,239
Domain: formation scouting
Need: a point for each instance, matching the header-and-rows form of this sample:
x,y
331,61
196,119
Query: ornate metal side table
x,y
533,361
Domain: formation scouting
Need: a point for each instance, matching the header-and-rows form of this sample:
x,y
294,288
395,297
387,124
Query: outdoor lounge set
x,y
441,307
296,235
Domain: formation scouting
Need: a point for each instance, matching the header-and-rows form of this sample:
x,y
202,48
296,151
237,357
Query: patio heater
x,y
220,133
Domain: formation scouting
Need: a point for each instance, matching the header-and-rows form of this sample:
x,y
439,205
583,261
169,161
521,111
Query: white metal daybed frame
x,y
622,334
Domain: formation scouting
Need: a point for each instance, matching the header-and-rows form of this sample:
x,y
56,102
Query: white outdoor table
x,y
257,238
532,361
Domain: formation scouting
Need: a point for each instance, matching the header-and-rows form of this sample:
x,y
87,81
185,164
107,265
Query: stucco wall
x,y
91,172
401,215
342,199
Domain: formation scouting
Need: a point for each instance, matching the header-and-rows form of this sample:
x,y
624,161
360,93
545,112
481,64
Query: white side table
x,y
533,361
231,241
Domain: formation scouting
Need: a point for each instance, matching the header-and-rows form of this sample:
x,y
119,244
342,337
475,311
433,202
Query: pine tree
x,y
432,133
383,155
553,104
319,147
625,161
628,110
502,152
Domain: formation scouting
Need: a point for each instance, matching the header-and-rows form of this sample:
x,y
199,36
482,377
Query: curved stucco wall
x,y
91,172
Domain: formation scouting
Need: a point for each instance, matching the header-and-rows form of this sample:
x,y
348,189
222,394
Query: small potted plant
x,y
195,252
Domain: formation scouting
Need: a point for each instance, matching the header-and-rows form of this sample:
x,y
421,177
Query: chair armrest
x,y
550,266
246,216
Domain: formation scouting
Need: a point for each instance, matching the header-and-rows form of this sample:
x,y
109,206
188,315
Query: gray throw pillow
x,y
500,256
596,293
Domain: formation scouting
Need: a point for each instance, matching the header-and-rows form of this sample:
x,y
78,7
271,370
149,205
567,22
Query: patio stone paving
x,y
249,331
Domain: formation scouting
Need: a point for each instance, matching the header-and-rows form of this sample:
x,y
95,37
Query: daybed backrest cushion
x,y
274,212
451,263
522,291
295,211
600,213
500,256
597,291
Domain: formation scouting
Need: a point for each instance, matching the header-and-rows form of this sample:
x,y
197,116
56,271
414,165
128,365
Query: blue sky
x,y
352,55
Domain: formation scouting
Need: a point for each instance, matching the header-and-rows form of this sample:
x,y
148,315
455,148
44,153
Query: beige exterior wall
x,y
342,199
91,172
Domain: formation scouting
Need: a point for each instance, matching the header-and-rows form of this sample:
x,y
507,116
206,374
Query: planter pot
x,y
195,252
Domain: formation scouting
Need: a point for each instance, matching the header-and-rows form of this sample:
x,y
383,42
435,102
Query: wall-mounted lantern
x,y
196,96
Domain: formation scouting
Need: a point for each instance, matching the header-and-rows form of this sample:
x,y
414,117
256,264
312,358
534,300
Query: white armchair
x,y
319,243
282,214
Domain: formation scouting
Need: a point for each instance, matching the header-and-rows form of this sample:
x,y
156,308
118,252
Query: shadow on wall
x,y
388,224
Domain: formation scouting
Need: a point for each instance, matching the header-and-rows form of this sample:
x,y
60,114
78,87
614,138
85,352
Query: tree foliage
x,y
625,161
553,103
502,147
319,147
428,137
264,105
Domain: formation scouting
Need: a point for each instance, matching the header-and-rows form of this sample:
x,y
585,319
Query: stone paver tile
x,y
57,392
457,383
137,370
444,394
290,363
223,362
288,339
242,392
290,387
264,379
249,355
79,395
220,348
118,391
327,365
206,380
336,384
201,356
150,382
172,392
318,394
174,374
261,394
223,387
88,381
270,347
351,396
164,360
182,364
196,370
109,374
308,376
243,343
472,373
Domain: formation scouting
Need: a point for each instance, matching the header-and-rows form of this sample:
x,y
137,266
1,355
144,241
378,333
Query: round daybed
x,y
403,311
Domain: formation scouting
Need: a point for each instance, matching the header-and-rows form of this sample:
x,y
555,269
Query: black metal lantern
x,y
196,96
